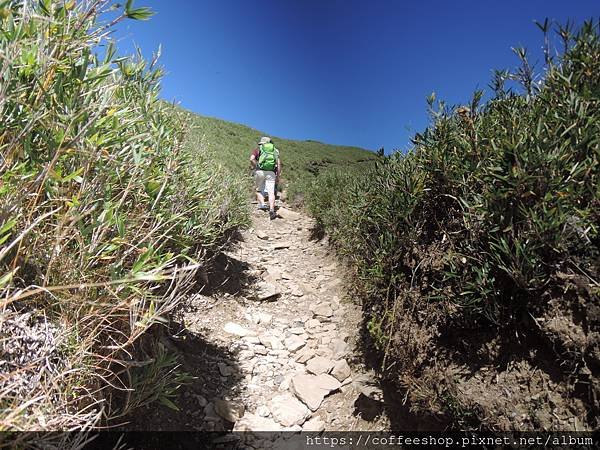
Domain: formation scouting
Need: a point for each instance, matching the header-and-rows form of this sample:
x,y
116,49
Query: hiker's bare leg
x,y
271,200
260,198
270,186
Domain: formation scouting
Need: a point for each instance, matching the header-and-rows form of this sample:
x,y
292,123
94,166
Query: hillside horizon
x,y
267,133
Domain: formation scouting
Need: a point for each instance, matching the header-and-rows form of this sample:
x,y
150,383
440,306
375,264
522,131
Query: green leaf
x,y
143,13
7,226
73,176
142,260
120,226
5,279
46,7
168,403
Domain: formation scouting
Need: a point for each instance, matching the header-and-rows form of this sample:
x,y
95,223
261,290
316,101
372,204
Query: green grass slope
x,y
301,160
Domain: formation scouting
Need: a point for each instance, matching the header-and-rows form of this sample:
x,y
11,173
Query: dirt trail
x,y
272,348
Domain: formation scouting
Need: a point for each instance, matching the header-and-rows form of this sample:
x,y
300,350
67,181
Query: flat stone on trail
x,y
325,352
315,425
274,272
296,291
252,339
251,422
270,342
294,343
252,318
245,355
341,370
263,411
312,325
261,350
281,245
312,389
238,330
261,234
319,365
339,348
288,214
264,318
267,291
281,354
304,355
322,310
209,412
288,411
228,410
224,369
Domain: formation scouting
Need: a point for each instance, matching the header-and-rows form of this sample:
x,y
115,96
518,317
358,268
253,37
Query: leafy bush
x,y
106,212
487,228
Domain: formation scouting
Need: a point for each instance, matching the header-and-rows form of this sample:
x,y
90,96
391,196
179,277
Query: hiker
x,y
265,159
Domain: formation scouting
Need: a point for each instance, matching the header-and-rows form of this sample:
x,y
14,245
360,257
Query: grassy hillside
x,y
302,160
477,253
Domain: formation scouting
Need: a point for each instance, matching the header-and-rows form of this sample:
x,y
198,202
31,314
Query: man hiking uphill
x,y
265,159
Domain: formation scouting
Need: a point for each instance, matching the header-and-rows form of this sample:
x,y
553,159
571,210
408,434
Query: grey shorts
x,y
265,181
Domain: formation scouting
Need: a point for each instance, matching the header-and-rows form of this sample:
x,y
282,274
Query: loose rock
x,y
228,410
264,318
288,411
238,330
341,370
319,365
263,411
339,348
294,343
261,235
288,214
312,389
224,369
315,425
251,422
304,355
268,291
323,310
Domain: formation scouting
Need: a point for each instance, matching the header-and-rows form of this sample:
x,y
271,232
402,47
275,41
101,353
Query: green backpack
x,y
267,158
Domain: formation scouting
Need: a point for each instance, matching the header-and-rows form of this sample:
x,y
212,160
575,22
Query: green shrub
x,y
106,211
489,222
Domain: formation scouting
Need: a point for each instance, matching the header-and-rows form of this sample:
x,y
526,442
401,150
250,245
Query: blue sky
x,y
341,72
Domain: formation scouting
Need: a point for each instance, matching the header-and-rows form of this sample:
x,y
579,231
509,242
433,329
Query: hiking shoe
x,y
272,214
263,207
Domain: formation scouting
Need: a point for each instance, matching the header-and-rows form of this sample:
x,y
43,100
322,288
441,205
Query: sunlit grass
x,y
108,206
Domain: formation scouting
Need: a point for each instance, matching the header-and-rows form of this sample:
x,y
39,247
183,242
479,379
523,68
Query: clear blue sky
x,y
341,72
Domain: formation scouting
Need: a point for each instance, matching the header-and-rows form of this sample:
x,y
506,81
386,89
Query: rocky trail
x,y
273,347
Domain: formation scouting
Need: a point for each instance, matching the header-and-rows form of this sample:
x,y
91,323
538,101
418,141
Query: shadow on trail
x,y
210,368
199,359
317,233
227,275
